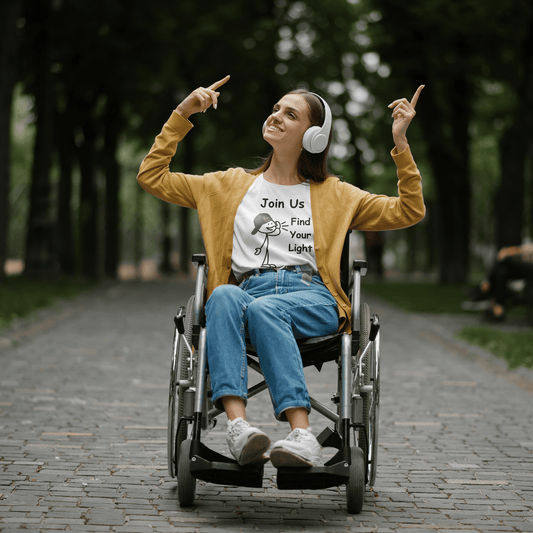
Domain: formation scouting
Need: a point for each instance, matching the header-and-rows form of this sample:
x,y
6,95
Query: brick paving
x,y
83,394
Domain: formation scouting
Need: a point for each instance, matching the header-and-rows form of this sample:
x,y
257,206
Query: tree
x,y
433,45
40,241
516,142
66,149
454,48
9,13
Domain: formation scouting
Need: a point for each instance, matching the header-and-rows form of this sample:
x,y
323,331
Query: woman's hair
x,y
310,166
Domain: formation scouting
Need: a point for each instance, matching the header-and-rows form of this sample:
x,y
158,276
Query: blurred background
x,y
86,86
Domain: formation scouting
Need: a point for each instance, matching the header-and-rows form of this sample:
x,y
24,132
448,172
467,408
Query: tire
x,y
374,413
364,334
186,482
179,371
172,407
355,487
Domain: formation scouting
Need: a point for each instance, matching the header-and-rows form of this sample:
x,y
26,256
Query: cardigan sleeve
x,y
155,176
376,212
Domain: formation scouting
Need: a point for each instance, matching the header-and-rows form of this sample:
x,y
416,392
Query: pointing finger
x,y
416,95
219,83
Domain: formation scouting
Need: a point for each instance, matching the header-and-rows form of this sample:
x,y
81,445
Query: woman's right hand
x,y
201,99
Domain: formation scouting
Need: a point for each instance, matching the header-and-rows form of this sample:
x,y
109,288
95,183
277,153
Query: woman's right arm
x,y
154,173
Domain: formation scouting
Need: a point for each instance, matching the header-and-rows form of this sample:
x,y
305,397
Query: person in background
x,y
512,263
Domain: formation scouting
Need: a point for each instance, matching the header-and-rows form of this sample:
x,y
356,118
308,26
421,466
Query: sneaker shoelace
x,y
236,429
298,435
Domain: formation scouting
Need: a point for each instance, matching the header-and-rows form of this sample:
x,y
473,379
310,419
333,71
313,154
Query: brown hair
x,y
310,166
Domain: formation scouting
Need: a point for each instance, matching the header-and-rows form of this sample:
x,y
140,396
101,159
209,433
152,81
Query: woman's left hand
x,y
403,113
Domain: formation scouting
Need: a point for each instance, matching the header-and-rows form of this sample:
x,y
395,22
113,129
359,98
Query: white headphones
x,y
315,139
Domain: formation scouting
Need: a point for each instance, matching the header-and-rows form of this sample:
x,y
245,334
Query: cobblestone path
x,y
83,413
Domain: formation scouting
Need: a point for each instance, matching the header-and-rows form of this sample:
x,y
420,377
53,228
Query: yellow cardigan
x,y
336,207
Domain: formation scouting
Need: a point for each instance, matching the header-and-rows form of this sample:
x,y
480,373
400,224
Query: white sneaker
x,y
300,448
246,443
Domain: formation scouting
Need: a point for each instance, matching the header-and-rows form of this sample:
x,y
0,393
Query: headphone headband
x,y
316,138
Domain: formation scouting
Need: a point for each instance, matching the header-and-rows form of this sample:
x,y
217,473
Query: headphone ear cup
x,y
314,141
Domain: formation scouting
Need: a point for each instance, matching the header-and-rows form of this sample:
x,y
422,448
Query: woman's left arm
x,y
378,212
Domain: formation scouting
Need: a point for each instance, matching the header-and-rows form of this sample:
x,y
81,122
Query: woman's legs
x,y
234,406
276,309
226,355
226,342
274,323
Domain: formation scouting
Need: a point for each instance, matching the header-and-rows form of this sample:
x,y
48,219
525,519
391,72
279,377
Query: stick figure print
x,y
270,228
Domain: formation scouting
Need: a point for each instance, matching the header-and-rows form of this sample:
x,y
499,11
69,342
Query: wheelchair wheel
x,y
186,482
172,412
364,334
176,432
355,488
374,413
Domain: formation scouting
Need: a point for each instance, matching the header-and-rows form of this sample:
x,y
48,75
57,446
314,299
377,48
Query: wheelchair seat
x,y
315,351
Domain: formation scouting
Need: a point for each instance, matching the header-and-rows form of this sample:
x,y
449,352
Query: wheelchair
x,y
354,412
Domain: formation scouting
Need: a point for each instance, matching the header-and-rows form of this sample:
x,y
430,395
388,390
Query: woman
x,y
274,238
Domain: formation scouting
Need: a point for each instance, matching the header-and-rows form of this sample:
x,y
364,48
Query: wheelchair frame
x,y
356,420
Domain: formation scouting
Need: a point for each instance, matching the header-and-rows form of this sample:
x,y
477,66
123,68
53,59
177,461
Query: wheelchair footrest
x,y
210,466
314,477
334,473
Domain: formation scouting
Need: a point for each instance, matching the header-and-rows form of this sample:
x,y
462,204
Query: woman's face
x,y
289,120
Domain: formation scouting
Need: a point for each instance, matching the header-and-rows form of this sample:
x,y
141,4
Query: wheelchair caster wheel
x,y
186,482
355,488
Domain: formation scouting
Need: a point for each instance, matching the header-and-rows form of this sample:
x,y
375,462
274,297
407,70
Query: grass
x,y
20,297
420,297
516,348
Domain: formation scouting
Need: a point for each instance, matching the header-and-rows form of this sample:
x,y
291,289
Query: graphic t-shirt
x,y
273,228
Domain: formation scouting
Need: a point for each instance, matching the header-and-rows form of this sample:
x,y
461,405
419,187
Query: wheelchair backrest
x,y
345,264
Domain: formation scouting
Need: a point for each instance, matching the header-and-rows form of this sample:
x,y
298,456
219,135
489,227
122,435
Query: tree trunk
x,y
430,238
88,215
138,231
515,149
509,202
528,69
165,266
9,12
450,162
112,181
66,253
40,250
184,243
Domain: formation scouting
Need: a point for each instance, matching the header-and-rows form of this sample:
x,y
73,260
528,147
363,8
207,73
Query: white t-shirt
x,y
273,228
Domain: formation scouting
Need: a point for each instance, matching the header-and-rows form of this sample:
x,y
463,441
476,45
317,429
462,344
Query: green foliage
x,y
19,297
516,347
22,137
360,54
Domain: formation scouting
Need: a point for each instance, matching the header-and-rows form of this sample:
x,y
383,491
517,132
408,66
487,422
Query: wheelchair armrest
x,y
199,259
374,328
360,265
178,320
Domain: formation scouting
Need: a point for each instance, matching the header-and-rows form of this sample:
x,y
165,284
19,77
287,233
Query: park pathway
x,y
83,393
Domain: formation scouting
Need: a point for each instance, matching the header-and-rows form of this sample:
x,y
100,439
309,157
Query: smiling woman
x,y
274,239
303,110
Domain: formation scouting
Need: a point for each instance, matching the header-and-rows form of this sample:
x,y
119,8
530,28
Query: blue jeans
x,y
274,308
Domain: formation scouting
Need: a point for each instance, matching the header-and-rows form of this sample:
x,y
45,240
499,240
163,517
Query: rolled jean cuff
x,y
282,417
217,400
